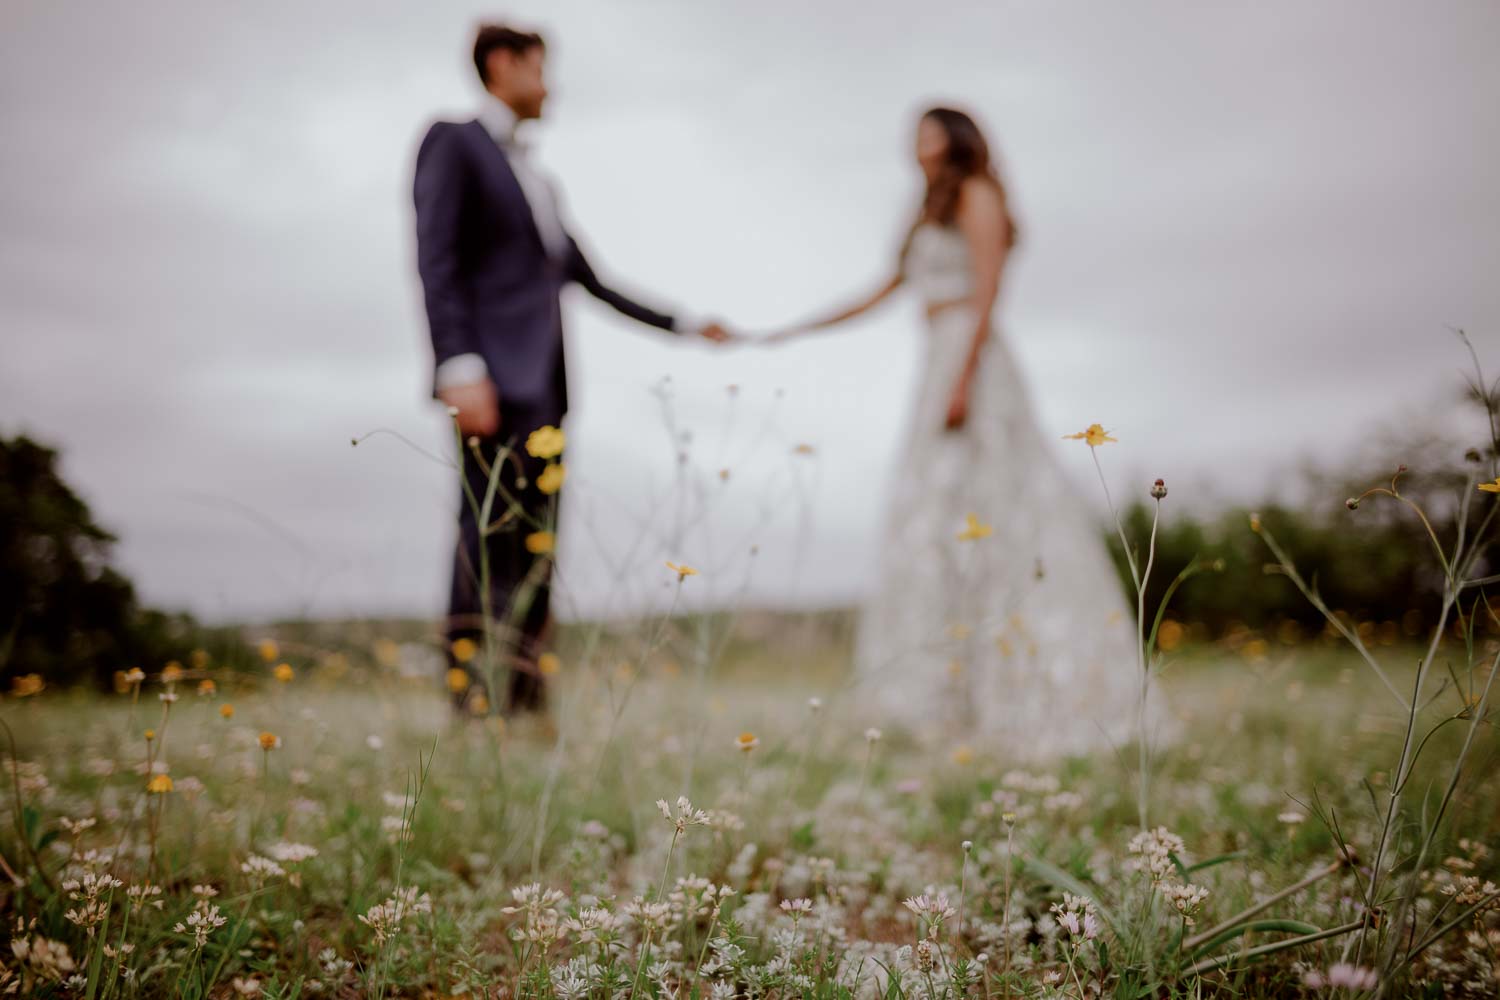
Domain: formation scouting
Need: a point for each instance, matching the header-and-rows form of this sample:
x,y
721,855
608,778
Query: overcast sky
x,y
1245,230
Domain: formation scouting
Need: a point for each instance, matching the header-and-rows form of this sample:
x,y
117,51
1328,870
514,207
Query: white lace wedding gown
x,y
1020,641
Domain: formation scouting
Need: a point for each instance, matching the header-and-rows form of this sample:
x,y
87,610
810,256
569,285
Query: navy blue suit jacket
x,y
489,285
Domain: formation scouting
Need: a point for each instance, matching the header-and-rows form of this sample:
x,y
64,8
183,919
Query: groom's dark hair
x,y
494,37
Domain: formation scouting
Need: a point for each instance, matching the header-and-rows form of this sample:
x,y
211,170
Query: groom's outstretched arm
x,y
440,192
580,271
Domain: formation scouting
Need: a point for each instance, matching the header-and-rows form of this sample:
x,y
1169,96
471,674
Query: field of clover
x,y
705,816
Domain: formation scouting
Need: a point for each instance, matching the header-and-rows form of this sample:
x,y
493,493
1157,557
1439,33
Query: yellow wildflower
x,y
746,741
479,704
1491,487
803,449
546,442
150,735
551,479
171,673
159,784
226,710
974,529
27,685
284,672
963,755
135,675
464,649
1093,434
458,680
548,664
207,687
269,650
1170,635
540,543
387,653
682,570
269,741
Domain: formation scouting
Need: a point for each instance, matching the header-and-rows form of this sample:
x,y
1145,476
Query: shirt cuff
x,y
461,369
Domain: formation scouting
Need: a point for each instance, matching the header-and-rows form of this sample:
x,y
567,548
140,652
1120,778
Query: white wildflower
x,y
685,815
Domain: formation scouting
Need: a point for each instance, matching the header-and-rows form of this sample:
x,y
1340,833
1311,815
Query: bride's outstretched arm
x,y
864,305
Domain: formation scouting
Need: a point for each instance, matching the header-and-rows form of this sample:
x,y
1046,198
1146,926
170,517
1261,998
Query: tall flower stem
x,y
1140,579
640,962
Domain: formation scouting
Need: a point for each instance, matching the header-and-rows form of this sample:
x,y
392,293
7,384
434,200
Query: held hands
x,y
717,333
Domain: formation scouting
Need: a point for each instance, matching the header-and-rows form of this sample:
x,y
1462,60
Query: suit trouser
x,y
519,581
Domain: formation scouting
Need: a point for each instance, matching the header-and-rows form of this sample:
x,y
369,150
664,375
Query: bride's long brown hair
x,y
968,156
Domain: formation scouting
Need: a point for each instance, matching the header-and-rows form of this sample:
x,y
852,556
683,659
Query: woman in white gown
x,y
997,617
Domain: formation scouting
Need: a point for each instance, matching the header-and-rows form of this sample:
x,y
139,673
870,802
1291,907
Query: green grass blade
x,y
1219,860
1048,872
1286,926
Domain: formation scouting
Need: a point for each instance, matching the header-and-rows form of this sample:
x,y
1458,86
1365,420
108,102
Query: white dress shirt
x,y
500,122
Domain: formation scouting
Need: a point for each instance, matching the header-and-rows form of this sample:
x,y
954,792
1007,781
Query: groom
x,y
493,256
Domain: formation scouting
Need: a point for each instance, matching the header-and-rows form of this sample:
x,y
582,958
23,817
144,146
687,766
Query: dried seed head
x,y
1159,490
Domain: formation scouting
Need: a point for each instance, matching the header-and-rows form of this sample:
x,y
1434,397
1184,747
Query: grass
x,y
436,824
710,816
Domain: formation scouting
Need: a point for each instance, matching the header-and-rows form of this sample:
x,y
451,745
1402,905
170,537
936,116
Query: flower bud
x,y
452,411
1352,503
1472,455
1159,490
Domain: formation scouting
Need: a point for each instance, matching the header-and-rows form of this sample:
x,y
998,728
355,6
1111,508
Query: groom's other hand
x,y
478,407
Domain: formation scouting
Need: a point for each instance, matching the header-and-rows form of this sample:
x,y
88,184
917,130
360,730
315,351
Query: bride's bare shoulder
x,y
980,195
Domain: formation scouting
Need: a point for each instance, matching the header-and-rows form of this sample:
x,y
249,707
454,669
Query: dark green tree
x,y
65,613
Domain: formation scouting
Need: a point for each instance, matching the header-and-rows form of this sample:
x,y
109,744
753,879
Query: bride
x,y
997,612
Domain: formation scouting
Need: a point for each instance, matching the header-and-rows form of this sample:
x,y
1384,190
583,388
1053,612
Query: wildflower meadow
x,y
708,814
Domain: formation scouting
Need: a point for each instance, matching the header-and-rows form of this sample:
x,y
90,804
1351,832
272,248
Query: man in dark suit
x,y
493,257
